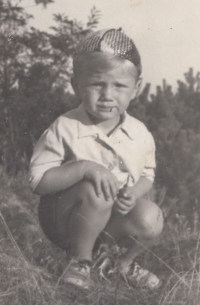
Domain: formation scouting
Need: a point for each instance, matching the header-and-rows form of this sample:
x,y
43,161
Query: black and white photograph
x,y
99,152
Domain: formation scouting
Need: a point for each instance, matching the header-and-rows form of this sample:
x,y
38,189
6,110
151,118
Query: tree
x,y
174,120
13,22
44,2
35,71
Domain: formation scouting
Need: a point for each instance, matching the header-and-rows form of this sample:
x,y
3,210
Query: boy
x,y
95,163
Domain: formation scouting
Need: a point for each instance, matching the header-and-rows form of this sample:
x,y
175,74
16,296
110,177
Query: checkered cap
x,y
111,41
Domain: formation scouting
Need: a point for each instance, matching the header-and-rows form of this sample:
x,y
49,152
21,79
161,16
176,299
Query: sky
x,y
166,32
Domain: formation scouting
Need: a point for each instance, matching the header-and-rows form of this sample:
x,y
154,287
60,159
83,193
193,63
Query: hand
x,y
126,200
102,178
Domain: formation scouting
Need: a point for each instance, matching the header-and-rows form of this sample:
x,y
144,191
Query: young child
x,y
94,163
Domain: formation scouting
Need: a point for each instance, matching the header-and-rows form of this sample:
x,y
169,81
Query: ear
x,y
74,84
136,89
138,85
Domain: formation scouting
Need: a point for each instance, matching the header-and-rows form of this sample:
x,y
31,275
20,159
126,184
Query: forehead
x,y
97,63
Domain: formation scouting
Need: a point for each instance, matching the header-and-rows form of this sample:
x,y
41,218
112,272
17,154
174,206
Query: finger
x,y
117,183
125,202
122,212
113,189
122,207
106,189
130,203
97,184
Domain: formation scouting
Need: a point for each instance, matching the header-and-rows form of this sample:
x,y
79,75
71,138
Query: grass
x,y
31,267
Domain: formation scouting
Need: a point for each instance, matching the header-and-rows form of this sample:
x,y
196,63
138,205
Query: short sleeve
x,y
150,162
48,153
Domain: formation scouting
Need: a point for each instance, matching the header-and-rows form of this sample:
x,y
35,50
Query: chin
x,y
106,116
103,115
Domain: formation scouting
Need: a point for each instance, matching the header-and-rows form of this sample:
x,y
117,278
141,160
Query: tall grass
x,y
32,268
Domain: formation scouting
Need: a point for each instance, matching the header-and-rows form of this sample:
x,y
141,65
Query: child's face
x,y
106,88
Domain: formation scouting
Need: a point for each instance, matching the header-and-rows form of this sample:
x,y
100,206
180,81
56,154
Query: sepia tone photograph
x,y
99,152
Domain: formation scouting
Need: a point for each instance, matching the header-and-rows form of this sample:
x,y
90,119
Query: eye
x,y
98,84
119,85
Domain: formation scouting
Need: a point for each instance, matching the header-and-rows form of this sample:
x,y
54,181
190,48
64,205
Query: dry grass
x,y
31,267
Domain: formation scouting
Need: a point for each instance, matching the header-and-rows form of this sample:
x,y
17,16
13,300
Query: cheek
x,y
92,93
89,98
125,97
130,95
84,93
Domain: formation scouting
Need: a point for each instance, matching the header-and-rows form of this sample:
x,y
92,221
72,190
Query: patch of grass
x,y
31,267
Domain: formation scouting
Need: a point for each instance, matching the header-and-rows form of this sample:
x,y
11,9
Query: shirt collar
x,y
127,125
86,127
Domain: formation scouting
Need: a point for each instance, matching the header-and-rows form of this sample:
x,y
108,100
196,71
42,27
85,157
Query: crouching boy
x,y
95,163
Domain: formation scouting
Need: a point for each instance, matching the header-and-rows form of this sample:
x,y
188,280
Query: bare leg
x,y
143,223
88,218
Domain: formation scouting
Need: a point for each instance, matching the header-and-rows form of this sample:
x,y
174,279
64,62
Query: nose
x,y
107,93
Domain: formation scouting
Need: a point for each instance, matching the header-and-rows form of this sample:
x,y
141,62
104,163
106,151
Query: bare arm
x,y
60,178
142,187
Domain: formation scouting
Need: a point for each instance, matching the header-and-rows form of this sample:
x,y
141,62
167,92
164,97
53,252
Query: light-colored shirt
x,y
129,151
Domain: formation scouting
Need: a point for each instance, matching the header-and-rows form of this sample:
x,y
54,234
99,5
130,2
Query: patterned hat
x,y
111,41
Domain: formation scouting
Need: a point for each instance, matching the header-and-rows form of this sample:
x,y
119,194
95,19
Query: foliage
x,y
44,2
35,72
173,118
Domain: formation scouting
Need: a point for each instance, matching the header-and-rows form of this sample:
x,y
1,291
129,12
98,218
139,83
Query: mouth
x,y
105,108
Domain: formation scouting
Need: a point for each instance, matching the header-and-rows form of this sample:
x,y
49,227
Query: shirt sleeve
x,y
48,153
150,162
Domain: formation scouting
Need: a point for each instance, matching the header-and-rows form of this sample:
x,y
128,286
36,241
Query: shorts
x,y
47,211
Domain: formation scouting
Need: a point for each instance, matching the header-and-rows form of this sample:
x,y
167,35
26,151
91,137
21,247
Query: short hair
x,y
83,61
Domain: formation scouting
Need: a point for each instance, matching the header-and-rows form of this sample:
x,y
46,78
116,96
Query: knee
x,y
148,219
152,222
88,196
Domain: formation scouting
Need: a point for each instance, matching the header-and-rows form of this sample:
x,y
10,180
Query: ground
x,y
31,267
